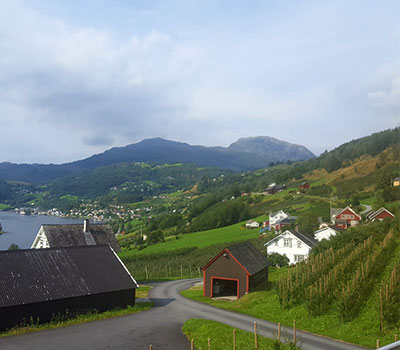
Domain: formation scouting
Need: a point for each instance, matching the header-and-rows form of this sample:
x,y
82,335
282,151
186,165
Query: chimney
x,y
86,225
297,228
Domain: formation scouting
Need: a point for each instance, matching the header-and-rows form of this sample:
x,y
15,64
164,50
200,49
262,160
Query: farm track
x,y
160,326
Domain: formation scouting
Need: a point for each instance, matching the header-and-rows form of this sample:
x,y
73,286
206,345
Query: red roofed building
x,y
344,218
380,215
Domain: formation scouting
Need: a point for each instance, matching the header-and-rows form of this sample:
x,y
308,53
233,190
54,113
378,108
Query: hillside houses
x,y
325,233
380,214
252,224
280,219
295,245
344,218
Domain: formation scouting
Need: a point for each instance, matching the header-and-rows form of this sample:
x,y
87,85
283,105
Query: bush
x,y
276,259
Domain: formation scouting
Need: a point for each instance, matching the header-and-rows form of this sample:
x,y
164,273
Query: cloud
x,y
72,85
97,140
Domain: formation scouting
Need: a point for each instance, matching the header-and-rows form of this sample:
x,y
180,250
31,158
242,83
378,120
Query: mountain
x,y
264,146
245,154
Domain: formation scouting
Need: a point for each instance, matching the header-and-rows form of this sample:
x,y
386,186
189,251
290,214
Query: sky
x,y
80,77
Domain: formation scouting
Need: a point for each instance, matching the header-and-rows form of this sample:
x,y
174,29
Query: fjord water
x,y
22,229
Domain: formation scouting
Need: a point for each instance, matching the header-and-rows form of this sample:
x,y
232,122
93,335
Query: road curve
x,y
160,326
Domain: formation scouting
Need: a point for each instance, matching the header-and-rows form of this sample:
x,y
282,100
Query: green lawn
x,y
4,206
263,304
143,291
228,234
221,337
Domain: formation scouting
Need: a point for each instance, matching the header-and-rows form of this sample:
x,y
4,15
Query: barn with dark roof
x,y
73,235
235,270
40,283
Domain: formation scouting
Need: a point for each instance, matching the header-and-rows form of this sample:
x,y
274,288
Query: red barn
x,y
380,214
346,217
236,270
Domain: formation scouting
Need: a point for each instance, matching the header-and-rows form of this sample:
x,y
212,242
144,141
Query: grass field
x,y
228,234
363,330
4,206
221,337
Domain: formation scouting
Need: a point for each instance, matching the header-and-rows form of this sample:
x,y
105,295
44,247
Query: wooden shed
x,y
38,284
236,270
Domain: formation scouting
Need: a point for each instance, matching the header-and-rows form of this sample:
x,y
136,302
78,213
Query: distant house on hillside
x,y
280,219
72,235
380,214
304,186
396,182
39,284
293,244
276,217
252,224
344,218
235,270
325,233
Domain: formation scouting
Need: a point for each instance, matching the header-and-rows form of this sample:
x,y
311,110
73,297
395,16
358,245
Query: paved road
x,y
159,326
366,210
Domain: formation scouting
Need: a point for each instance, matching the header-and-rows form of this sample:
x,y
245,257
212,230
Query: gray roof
x,y
288,220
249,257
72,235
306,239
39,275
336,211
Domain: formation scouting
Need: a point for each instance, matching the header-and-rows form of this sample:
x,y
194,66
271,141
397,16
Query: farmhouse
x,y
276,217
344,218
381,214
72,235
252,224
236,270
304,186
294,244
40,283
325,233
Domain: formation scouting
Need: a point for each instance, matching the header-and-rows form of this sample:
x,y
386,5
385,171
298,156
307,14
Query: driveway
x,y
160,326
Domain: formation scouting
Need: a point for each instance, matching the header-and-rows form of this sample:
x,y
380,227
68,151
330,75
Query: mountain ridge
x,y
236,157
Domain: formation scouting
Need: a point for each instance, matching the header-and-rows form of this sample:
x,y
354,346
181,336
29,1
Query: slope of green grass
x,y
264,304
4,206
221,337
228,234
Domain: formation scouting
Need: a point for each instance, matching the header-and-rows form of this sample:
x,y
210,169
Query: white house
x,y
274,218
295,245
252,224
72,235
324,233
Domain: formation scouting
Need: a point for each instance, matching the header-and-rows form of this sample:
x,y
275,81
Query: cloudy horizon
x,y
77,78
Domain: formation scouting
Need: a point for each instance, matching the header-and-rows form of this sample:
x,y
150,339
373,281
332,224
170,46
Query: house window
x,y
298,244
298,257
287,242
276,243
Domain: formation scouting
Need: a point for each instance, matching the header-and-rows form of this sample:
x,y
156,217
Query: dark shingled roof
x,y
39,275
249,257
70,235
306,239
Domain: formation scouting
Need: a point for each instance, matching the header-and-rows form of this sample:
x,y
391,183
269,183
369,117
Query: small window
x,y
298,257
287,242
298,244
276,243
